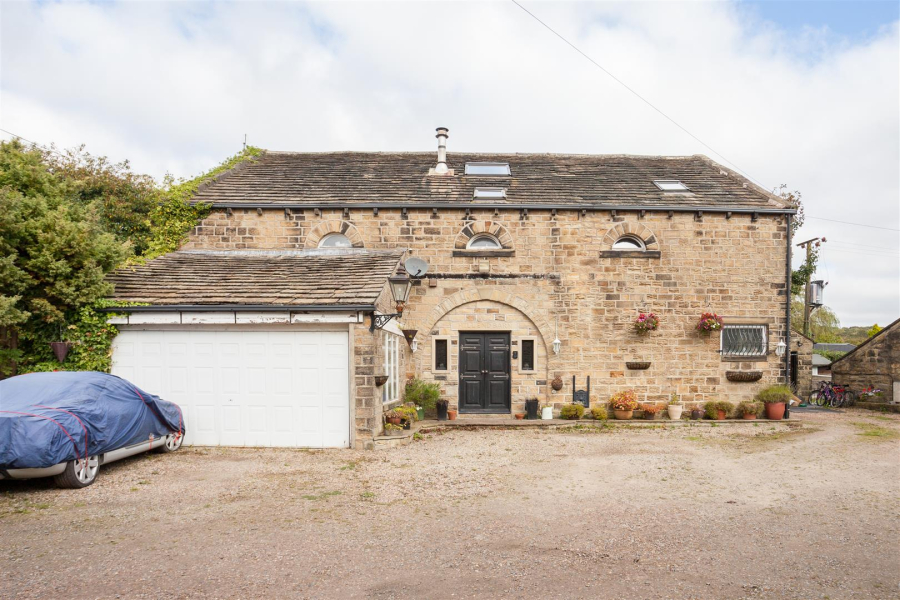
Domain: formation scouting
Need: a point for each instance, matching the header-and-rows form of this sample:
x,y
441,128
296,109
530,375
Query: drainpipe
x,y
442,135
787,315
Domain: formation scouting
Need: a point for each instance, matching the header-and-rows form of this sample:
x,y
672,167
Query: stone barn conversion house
x,y
538,265
874,363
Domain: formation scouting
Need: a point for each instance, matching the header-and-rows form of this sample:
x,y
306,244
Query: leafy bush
x,y
774,393
571,412
599,413
407,412
626,400
422,393
749,407
713,407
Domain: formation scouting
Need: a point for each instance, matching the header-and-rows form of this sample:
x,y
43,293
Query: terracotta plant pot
x,y
623,415
775,411
720,415
393,420
451,414
696,414
520,416
749,417
675,411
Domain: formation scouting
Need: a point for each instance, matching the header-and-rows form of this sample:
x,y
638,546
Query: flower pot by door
x,y
531,409
520,416
393,420
675,411
547,413
442,411
775,411
623,415
451,414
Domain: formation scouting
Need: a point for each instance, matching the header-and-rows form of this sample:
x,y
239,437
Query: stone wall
x,y
874,363
803,346
557,275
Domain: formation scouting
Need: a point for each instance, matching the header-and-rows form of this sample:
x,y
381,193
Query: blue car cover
x,y
49,418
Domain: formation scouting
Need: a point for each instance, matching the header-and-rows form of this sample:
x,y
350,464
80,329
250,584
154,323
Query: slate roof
x,y
331,278
834,347
820,361
379,179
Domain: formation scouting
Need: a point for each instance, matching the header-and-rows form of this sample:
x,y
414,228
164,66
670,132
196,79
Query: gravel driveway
x,y
763,511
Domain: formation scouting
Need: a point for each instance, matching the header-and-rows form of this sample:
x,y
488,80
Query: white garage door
x,y
246,388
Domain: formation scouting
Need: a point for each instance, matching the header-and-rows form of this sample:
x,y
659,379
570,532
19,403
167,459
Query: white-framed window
x,y
335,240
484,241
440,354
744,341
487,168
391,367
527,355
489,193
670,185
629,242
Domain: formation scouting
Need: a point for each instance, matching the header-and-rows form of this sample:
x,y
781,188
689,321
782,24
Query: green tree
x,y
54,252
824,325
873,330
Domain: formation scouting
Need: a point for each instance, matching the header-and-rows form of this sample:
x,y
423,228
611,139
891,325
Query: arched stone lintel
x,y
629,228
475,227
325,227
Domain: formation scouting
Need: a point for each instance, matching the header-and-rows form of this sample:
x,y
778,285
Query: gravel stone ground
x,y
764,511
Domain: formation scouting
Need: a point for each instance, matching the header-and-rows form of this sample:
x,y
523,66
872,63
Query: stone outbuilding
x,y
874,363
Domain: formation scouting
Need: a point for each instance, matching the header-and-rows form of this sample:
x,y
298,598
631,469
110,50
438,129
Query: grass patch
x,y
322,496
349,466
869,430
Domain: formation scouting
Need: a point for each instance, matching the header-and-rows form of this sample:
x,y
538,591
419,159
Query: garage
x,y
246,388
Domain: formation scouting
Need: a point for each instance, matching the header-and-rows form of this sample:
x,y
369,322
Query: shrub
x,y
749,407
407,412
422,393
392,427
571,411
674,399
599,413
713,407
774,393
626,400
651,408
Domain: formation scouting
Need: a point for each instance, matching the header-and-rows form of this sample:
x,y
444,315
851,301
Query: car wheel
x,y
78,473
173,443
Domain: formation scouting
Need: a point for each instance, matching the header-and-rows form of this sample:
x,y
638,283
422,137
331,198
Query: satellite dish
x,y
416,267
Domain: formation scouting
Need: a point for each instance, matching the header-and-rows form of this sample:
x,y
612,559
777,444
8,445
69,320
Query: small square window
x,y
487,168
744,341
440,355
527,355
670,185
490,193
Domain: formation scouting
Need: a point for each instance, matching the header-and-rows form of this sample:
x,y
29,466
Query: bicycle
x,y
833,395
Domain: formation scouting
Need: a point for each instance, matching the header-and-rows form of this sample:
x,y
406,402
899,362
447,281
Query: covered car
x,y
67,424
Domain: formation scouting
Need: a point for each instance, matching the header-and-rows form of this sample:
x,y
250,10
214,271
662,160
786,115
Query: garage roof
x,y
307,278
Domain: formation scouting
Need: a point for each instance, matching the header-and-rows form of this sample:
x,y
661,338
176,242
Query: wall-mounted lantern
x,y
780,348
400,286
556,346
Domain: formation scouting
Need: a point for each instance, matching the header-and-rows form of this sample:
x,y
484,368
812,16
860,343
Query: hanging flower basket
x,y
380,380
709,322
743,375
638,365
60,350
646,322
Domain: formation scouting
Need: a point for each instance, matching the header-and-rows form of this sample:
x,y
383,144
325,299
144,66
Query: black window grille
x,y
744,341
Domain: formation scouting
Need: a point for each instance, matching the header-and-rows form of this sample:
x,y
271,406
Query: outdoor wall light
x,y
556,346
400,285
780,348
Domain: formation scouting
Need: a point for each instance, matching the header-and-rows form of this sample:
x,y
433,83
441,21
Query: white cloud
x,y
174,87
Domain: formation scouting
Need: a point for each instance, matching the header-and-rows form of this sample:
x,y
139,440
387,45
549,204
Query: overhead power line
x,y
849,223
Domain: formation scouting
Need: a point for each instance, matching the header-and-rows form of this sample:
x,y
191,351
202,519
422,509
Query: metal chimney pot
x,y
442,135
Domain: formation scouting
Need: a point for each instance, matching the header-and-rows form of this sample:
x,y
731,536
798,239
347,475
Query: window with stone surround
x,y
441,354
744,341
527,355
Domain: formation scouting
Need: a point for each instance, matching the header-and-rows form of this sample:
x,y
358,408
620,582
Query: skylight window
x,y
488,168
490,193
671,185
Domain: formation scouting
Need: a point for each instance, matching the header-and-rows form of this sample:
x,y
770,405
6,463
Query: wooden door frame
x,y
509,369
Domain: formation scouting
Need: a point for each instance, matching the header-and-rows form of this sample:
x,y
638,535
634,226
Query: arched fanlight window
x,y
629,242
484,241
335,240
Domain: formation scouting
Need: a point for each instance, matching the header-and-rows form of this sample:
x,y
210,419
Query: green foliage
x,y
824,325
854,335
774,393
422,393
713,407
571,411
599,413
831,355
749,407
407,412
873,331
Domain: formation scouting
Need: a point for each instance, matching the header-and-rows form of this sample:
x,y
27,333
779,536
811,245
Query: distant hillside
x,y
854,335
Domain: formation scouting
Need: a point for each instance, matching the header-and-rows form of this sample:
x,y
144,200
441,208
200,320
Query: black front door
x,y
484,372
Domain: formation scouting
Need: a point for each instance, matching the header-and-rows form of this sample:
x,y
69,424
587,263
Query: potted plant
x,y
391,429
599,413
696,413
646,322
709,322
407,414
623,404
748,409
393,417
675,407
652,411
718,410
520,416
442,407
571,412
421,393
451,413
531,408
871,394
547,412
775,397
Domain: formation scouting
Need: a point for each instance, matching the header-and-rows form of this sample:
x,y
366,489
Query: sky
x,y
805,94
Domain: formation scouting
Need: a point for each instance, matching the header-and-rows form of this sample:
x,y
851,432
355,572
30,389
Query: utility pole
x,y
808,244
